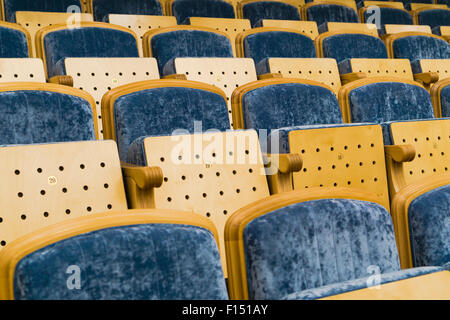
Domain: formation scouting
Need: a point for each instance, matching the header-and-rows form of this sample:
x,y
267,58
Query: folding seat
x,y
10,7
231,27
368,28
22,70
262,43
89,39
256,10
16,41
102,8
99,75
224,73
443,31
322,12
186,41
348,45
185,9
330,243
33,21
307,27
432,17
387,15
415,4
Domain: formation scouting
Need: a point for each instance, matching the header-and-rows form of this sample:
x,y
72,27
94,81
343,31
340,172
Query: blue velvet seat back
x,y
11,6
317,243
278,44
102,8
183,9
138,262
445,101
352,45
391,16
389,101
161,111
429,227
189,43
87,42
289,104
434,18
28,117
13,43
331,13
419,47
256,11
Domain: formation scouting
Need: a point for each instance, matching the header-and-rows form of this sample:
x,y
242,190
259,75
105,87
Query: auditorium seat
x,y
388,29
10,7
433,18
440,92
347,45
21,70
335,239
33,21
186,41
149,254
388,15
90,39
415,4
102,8
99,75
262,43
43,113
382,3
307,27
224,73
15,41
322,12
368,28
185,9
256,10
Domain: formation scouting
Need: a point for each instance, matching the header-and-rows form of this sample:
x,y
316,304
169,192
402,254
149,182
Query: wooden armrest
x,y
269,76
426,78
63,80
287,162
349,77
175,76
145,177
401,153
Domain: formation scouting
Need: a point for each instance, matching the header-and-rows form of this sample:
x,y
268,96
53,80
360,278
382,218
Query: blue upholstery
x,y
278,44
429,227
183,9
389,101
137,262
322,13
102,8
160,111
28,116
407,3
417,47
11,6
13,43
445,101
289,104
352,285
317,243
391,16
352,45
256,11
189,43
87,42
434,18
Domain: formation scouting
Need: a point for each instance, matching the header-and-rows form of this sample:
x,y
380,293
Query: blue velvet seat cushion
x,y
102,8
391,16
352,285
389,101
445,101
347,46
434,17
420,47
189,43
317,243
331,13
11,6
429,227
137,262
256,11
278,44
28,117
183,9
289,104
88,42
14,43
161,111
